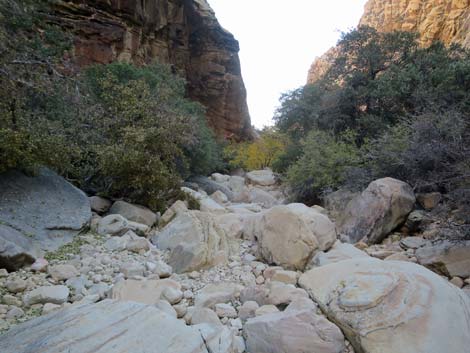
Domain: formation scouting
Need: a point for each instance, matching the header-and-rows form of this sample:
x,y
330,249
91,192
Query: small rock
x,y
132,269
181,309
457,281
430,200
172,295
43,295
236,323
188,294
49,308
62,272
266,309
16,285
225,310
163,270
113,224
204,316
40,265
99,204
138,245
3,273
288,277
248,310
11,300
14,313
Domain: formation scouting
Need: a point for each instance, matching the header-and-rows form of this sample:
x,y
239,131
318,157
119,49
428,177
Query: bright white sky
x,y
279,40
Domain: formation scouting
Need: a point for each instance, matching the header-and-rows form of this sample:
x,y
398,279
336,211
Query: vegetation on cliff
x,y
117,129
385,108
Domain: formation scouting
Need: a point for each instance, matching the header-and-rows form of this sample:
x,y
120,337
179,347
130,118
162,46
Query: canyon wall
x,y
444,20
182,33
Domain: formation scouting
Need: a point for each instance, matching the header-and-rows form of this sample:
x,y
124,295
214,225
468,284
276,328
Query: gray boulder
x,y
210,186
105,327
100,204
379,209
45,207
447,258
16,250
134,213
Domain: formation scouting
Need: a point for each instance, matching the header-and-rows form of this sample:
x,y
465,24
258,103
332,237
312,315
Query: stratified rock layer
x,y
183,33
444,20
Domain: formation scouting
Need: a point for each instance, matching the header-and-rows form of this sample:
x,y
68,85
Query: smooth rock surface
x,y
391,306
134,213
378,210
447,258
105,327
290,235
46,208
194,240
292,331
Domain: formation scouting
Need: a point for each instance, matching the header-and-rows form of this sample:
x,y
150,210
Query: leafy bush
x,y
407,108
323,164
259,154
118,130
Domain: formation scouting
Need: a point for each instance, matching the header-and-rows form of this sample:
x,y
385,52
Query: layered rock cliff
x,y
444,20
182,33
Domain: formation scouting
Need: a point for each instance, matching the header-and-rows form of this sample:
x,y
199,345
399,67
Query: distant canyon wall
x,y
444,20
182,33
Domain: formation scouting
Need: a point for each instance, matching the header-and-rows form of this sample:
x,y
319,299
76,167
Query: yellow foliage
x,y
258,154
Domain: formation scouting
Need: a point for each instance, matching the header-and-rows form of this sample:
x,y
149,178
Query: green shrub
x,y
117,130
323,164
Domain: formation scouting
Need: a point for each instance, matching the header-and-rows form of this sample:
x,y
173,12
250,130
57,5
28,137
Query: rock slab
x,y
45,207
106,327
391,306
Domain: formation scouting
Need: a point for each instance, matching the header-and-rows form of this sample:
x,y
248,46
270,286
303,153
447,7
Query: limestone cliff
x,y
444,20
183,33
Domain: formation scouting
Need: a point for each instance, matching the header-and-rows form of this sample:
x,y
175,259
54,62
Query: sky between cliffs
x,y
279,40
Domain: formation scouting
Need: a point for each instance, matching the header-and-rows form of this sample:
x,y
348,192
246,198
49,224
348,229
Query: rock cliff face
x,y
183,33
444,20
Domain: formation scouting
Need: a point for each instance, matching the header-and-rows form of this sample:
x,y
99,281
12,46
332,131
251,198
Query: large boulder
x,y
293,331
194,240
290,235
263,177
446,257
391,306
134,213
16,249
46,207
379,209
105,327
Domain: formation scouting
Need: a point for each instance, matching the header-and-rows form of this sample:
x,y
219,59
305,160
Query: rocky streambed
x,y
247,272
